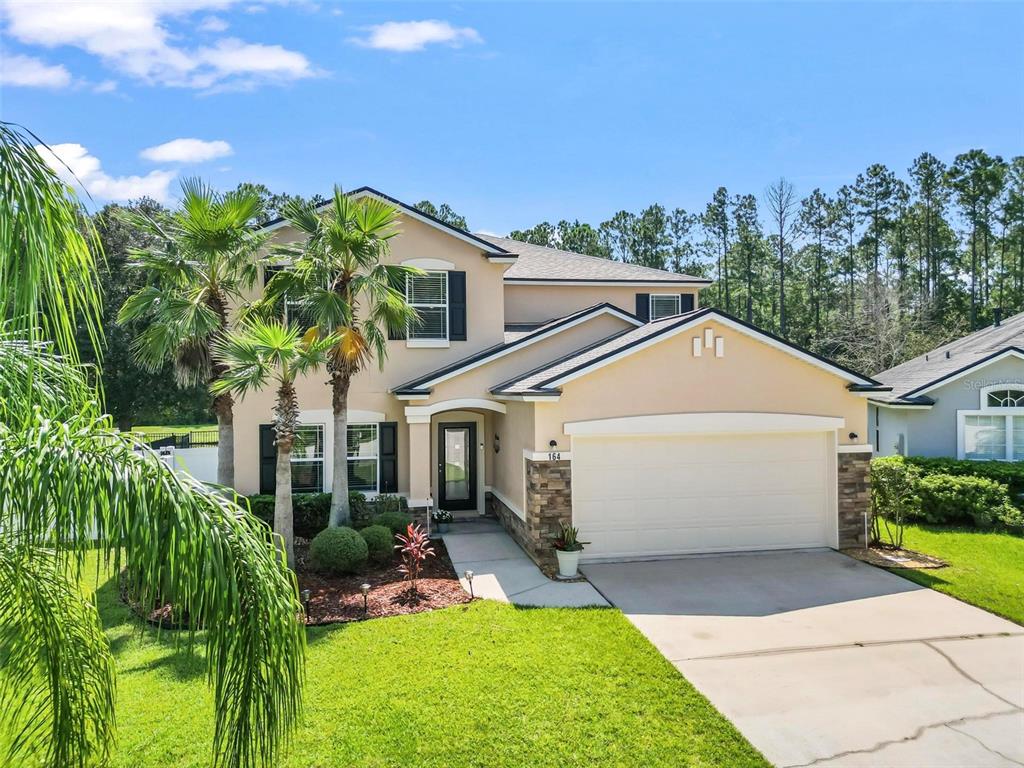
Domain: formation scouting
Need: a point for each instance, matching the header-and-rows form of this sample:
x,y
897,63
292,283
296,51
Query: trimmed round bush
x,y
395,521
338,551
380,541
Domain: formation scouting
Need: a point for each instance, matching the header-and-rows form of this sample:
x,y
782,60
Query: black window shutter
x,y
268,459
686,302
457,306
643,306
388,436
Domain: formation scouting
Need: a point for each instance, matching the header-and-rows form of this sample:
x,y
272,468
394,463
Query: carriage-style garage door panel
x,y
680,494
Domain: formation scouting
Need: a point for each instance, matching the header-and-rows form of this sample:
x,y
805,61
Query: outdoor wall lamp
x,y
469,578
497,443
365,589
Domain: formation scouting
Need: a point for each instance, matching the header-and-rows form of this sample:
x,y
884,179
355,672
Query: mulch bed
x,y
336,599
891,557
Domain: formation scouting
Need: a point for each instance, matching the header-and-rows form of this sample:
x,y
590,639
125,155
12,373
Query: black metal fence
x,y
206,438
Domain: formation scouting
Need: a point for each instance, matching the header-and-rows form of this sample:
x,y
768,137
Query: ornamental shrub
x,y
396,522
359,509
338,551
388,503
380,542
1009,473
956,499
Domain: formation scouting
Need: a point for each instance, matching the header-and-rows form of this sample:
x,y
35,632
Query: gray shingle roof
x,y
532,382
421,383
537,262
916,374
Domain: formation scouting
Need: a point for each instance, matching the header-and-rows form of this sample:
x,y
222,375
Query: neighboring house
x,y
963,399
550,387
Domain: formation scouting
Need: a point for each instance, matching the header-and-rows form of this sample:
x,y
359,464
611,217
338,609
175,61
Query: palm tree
x,y
254,356
71,483
203,261
342,287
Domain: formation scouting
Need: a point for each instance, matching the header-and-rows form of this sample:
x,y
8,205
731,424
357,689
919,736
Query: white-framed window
x,y
308,459
996,430
363,453
664,305
428,295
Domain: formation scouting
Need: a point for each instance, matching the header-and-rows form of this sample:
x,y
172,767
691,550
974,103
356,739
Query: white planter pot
x,y
568,563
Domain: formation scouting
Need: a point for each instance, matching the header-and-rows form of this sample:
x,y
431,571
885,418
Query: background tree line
x,y
880,270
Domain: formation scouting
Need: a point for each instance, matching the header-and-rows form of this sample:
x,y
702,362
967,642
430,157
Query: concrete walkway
x,y
822,660
502,571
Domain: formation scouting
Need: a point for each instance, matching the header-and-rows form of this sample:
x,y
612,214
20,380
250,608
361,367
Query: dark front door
x,y
456,466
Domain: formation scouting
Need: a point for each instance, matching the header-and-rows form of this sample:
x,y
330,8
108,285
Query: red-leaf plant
x,y
415,548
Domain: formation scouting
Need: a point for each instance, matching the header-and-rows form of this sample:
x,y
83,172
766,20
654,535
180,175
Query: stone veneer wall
x,y
854,470
548,505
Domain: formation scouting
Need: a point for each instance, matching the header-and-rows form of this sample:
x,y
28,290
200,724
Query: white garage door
x,y
683,494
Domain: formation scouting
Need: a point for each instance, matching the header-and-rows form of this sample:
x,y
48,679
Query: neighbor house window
x,y
664,305
996,430
363,457
308,459
428,295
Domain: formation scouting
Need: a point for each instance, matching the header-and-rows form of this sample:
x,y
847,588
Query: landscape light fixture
x,y
469,578
365,589
305,601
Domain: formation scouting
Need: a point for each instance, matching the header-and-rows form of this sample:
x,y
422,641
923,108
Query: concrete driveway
x,y
821,660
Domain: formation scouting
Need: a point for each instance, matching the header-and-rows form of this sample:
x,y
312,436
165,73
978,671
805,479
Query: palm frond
x,y
189,544
44,297
57,672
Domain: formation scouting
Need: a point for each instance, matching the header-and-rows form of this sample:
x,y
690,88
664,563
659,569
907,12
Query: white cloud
x,y
16,69
408,36
132,37
74,164
187,151
107,86
212,24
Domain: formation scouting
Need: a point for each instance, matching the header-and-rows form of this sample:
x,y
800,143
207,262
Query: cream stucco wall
x,y
515,429
537,303
667,378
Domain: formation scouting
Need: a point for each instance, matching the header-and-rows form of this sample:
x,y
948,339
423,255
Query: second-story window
x,y
664,305
428,295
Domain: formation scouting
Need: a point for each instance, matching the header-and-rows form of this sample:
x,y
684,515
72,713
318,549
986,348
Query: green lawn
x,y
481,685
985,569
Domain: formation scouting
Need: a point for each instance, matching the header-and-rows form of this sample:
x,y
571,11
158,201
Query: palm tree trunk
x,y
223,407
340,512
284,524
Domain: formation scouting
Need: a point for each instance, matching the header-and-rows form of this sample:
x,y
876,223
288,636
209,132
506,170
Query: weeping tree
x,y
201,262
70,483
264,353
339,282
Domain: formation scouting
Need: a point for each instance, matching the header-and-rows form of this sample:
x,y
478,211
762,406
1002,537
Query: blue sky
x,y
511,113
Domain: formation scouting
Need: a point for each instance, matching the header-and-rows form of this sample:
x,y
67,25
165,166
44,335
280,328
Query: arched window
x,y
1004,398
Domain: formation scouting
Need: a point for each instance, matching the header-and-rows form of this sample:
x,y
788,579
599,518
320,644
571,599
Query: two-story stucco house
x,y
545,386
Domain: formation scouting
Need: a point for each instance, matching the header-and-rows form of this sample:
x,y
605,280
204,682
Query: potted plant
x,y
567,548
442,517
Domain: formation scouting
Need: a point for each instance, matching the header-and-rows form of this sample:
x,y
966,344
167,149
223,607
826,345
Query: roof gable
x,y
544,381
491,250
